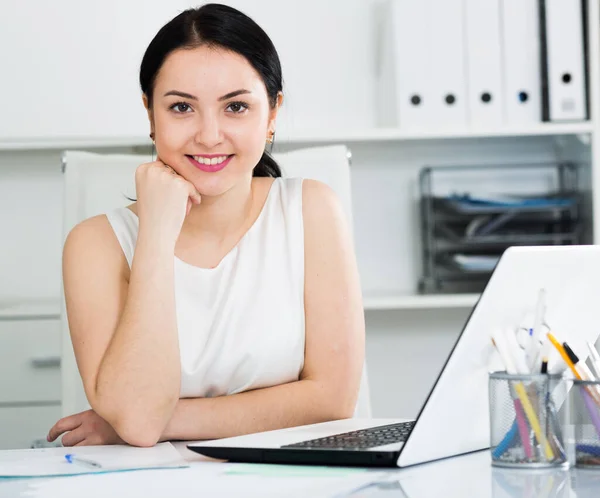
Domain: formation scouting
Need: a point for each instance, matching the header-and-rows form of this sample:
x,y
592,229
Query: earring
x,y
270,137
152,136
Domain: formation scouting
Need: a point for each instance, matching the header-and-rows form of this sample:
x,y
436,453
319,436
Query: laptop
x,y
454,418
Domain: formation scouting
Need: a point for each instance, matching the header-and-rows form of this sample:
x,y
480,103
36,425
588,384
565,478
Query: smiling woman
x,y
226,300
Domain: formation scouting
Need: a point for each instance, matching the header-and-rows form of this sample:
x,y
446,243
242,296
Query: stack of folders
x,y
464,235
481,63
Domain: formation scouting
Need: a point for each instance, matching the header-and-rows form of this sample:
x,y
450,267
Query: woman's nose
x,y
209,133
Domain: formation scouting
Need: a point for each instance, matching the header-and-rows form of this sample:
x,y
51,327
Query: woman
x,y
226,300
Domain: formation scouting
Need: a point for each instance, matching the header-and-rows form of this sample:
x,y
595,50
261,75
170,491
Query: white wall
x,y
70,67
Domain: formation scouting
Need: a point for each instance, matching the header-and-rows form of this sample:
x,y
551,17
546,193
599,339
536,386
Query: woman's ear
x,y
273,112
149,111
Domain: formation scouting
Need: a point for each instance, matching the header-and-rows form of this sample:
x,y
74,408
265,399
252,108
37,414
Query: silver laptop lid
x,y
455,418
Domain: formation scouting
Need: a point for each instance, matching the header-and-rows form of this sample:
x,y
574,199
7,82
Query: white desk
x,y
461,477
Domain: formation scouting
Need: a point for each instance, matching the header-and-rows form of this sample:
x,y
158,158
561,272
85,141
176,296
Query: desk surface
x,y
460,477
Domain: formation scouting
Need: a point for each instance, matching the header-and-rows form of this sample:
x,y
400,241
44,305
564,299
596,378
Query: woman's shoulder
x,y
318,199
92,238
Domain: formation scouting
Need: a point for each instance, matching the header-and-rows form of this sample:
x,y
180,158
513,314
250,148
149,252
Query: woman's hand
x,y
84,429
164,199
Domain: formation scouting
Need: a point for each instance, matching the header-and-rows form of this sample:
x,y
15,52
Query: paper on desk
x,y
46,462
200,479
194,482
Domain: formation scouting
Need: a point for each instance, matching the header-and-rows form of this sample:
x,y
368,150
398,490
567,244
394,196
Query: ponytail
x,y
267,166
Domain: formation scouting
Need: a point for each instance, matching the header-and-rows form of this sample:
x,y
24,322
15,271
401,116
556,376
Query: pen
x,y
71,458
516,353
545,355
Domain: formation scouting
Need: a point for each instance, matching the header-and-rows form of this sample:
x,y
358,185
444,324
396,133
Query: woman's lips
x,y
210,168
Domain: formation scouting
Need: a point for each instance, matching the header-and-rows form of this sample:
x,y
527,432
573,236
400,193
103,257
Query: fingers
x,y
73,438
93,440
159,166
195,195
64,425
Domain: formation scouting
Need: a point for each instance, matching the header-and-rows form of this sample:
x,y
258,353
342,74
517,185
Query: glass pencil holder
x,y
583,423
525,426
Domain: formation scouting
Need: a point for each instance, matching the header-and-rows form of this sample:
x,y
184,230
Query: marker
x,y
540,311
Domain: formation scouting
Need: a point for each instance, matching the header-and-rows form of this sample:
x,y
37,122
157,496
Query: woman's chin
x,y
213,187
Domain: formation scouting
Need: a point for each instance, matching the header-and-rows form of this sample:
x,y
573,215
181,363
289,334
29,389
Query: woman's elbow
x,y
340,404
342,410
136,432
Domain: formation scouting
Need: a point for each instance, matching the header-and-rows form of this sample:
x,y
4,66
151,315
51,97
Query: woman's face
x,y
211,117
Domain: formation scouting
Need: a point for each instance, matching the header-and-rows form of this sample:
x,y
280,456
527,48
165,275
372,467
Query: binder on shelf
x,y
521,61
563,60
404,70
483,60
448,90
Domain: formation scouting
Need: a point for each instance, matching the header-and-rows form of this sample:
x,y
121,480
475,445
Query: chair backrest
x,y
98,183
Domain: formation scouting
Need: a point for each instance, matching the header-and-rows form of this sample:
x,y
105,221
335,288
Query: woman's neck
x,y
221,216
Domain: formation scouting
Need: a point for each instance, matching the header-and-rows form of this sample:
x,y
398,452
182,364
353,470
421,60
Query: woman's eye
x,y
237,107
180,107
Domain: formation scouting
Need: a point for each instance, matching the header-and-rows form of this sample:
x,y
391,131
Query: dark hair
x,y
217,25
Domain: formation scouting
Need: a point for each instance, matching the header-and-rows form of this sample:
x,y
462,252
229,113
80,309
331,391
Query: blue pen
x,y
71,458
506,441
590,449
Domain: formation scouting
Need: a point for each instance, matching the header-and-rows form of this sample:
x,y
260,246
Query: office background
x,y
69,81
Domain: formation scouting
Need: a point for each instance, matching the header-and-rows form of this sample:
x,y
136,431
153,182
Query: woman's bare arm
x,y
123,329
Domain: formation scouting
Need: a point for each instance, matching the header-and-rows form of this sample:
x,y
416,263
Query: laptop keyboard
x,y
362,439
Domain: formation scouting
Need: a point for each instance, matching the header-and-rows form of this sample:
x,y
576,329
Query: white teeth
x,y
209,161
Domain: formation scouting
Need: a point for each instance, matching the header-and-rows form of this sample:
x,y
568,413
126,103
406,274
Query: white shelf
x,y
23,310
396,134
408,302
352,136
15,310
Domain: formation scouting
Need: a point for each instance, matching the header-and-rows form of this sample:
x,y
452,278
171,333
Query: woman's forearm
x,y
286,405
138,382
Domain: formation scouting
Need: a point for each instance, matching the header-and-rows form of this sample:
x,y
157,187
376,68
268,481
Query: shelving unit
x,y
347,137
382,301
29,310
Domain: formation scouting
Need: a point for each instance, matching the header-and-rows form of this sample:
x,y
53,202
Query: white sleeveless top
x,y
241,324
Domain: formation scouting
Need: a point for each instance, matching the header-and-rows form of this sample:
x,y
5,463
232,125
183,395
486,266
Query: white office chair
x,y
97,183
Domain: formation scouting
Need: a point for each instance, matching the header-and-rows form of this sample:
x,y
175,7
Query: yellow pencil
x,y
564,355
533,420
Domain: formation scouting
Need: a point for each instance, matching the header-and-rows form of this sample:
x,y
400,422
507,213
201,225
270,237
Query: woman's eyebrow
x,y
177,93
233,94
184,95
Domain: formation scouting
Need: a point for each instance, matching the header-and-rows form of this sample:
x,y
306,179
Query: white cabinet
x,y
30,359
30,389
21,425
